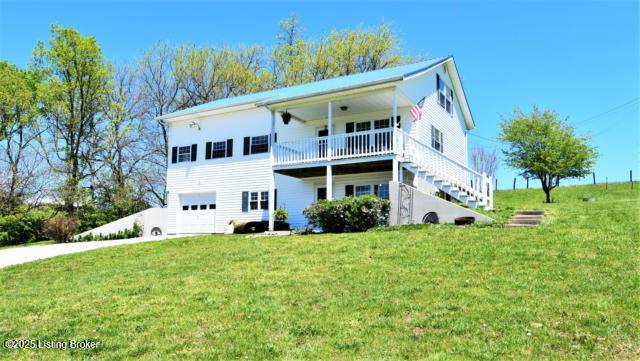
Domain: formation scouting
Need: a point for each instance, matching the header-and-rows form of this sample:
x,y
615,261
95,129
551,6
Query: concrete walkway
x,y
17,255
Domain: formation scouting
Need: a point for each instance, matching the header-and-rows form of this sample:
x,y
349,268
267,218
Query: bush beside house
x,y
349,214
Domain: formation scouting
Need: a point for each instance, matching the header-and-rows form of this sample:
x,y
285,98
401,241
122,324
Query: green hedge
x,y
22,228
135,232
349,214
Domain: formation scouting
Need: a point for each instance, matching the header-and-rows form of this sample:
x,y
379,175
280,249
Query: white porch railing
x,y
342,146
387,141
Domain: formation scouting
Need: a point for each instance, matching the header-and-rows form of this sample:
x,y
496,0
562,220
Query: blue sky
x,y
579,58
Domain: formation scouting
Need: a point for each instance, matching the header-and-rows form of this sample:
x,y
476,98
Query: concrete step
x,y
531,212
533,218
519,225
524,221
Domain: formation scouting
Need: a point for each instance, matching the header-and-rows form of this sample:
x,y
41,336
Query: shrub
x,y
60,228
349,214
259,227
22,228
134,232
280,215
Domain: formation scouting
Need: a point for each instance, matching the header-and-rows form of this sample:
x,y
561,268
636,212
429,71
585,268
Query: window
x,y
218,149
382,190
253,202
260,144
382,123
203,206
445,96
184,154
321,193
264,200
212,206
194,207
185,208
437,139
362,190
363,126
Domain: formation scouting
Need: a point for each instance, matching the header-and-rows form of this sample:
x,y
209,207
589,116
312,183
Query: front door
x,y
322,143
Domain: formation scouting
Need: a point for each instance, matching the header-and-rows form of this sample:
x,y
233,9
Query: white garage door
x,y
197,213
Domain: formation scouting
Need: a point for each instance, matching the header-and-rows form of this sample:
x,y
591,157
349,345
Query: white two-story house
x,y
241,158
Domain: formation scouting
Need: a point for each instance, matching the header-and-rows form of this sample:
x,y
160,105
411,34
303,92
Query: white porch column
x,y
272,176
329,152
329,183
397,175
329,132
396,171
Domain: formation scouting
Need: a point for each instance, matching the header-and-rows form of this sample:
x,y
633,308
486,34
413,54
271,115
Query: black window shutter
x,y
275,198
245,201
349,127
375,189
348,190
194,152
247,145
437,83
207,151
398,121
229,147
275,137
174,155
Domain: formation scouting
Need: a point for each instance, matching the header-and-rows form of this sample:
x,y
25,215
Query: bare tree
x,y
484,160
158,95
119,184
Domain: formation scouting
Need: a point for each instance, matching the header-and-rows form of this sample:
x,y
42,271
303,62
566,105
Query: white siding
x,y
229,177
452,126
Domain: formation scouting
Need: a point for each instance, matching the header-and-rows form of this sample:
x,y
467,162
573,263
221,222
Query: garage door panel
x,y
198,213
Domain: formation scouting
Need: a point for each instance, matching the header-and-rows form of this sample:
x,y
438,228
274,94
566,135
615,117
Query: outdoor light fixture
x,y
286,117
194,125
344,108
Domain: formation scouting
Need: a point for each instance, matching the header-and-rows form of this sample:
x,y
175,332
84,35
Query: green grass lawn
x,y
568,289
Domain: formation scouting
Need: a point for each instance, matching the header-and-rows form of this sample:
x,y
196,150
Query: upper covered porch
x,y
340,128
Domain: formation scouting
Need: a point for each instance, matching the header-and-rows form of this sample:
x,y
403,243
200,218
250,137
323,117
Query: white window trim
x,y
259,201
213,143
188,154
372,187
440,141
448,91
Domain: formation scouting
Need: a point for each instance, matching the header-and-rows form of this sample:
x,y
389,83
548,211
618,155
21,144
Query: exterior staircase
x,y
526,218
471,188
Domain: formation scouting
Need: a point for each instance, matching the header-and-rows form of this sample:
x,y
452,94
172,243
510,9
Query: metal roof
x,y
316,88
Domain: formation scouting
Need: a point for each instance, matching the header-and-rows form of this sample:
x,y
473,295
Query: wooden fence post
x,y
631,177
496,187
527,182
606,183
594,177
514,183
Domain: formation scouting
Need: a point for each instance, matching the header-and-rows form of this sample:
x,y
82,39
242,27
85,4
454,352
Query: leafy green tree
x,y
543,146
72,95
296,60
18,131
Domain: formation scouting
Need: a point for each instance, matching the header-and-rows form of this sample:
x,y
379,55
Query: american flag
x,y
416,110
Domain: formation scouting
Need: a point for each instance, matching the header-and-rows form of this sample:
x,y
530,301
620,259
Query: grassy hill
x,y
567,289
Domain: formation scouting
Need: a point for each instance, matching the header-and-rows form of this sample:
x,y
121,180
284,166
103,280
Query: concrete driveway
x,y
17,255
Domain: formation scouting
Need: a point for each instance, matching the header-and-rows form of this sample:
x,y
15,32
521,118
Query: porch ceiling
x,y
364,103
339,169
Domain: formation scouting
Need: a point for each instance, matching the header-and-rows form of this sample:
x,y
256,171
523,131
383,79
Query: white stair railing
x,y
445,170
